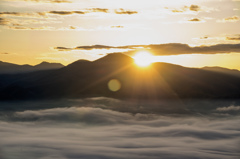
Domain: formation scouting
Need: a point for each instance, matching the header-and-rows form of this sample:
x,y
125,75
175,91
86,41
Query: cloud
x,y
122,11
195,20
21,14
229,19
80,132
4,21
230,108
117,26
177,48
235,38
195,8
91,47
192,8
21,22
30,28
63,13
104,10
48,28
166,49
5,53
66,12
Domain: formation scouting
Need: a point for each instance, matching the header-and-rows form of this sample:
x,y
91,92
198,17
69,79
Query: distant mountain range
x,y
91,79
9,68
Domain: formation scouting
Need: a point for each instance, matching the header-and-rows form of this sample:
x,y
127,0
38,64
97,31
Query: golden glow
x,y
143,59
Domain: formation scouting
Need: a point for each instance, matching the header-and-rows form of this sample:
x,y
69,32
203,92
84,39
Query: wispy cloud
x,y
230,108
30,28
93,47
193,8
4,21
229,19
235,38
117,26
192,20
62,12
66,12
122,11
24,14
104,10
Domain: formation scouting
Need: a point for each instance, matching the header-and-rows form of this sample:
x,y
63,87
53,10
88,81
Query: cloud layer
x,y
73,132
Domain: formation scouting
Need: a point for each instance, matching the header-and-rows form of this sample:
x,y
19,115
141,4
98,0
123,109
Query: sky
x,y
192,33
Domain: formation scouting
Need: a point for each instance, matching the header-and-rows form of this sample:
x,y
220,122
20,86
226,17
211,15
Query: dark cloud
x,y
5,53
44,14
122,11
166,49
236,38
91,47
194,20
104,10
62,48
230,19
66,12
20,14
81,132
195,8
177,48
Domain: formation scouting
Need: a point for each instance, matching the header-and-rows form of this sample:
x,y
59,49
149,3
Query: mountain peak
x,y
48,63
116,58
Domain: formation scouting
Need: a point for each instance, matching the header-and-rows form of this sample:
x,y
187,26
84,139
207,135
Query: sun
x,y
143,59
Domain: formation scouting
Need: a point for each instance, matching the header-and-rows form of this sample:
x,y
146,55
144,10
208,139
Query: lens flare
x,y
114,85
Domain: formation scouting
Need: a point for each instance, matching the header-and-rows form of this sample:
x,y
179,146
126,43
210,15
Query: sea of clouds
x,y
95,132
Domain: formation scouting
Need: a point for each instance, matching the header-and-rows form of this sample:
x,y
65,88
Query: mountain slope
x,y
87,79
223,70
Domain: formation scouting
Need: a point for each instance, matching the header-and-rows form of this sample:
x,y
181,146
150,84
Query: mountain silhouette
x,y
9,68
91,79
233,72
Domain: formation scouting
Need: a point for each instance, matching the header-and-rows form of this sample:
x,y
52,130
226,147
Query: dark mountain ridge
x,y
9,68
233,72
91,79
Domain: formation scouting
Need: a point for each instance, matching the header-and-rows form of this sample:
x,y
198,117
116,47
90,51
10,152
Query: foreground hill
x,y
9,68
88,79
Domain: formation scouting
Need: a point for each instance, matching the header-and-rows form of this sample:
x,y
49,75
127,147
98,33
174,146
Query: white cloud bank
x,y
94,133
